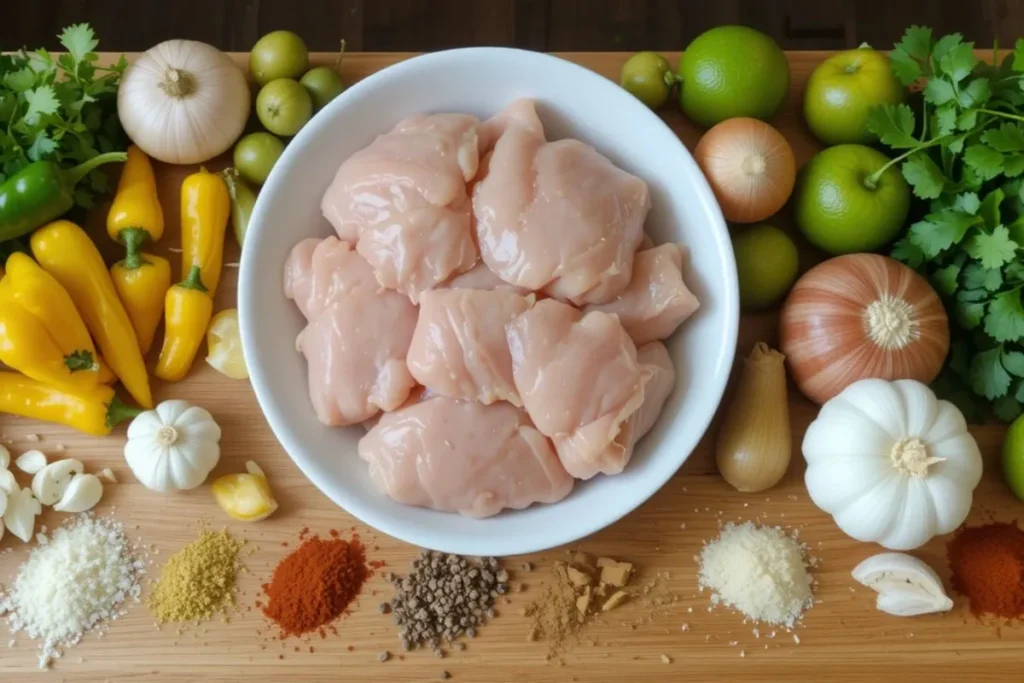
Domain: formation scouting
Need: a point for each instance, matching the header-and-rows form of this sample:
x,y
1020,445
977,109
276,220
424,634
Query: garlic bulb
x,y
891,463
183,102
173,447
906,586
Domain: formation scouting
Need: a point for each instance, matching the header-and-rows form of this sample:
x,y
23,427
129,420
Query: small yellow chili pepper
x,y
66,252
135,215
187,313
205,210
142,281
42,333
95,411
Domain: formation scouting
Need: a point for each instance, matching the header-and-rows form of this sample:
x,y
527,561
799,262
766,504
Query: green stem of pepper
x,y
133,239
194,280
118,411
73,176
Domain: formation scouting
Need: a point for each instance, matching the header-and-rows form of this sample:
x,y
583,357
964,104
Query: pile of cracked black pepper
x,y
444,597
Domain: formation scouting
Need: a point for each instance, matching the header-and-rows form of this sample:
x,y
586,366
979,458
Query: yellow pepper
x,y
135,215
41,333
66,252
95,411
187,313
142,281
205,210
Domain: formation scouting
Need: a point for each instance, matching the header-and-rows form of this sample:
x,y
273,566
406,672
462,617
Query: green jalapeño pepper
x,y
41,192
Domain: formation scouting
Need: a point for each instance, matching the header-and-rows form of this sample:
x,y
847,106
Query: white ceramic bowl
x,y
571,101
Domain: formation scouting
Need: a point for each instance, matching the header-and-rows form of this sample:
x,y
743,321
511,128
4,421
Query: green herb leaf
x,y
909,253
967,202
989,210
958,61
978,277
943,120
1006,408
904,67
1008,137
79,39
1018,55
945,279
917,43
41,100
968,315
992,249
988,376
939,231
924,175
1013,361
939,92
975,94
1005,318
967,121
42,147
986,162
893,124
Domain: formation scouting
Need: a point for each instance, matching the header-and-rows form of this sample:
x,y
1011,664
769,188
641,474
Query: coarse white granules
x,y
758,570
74,581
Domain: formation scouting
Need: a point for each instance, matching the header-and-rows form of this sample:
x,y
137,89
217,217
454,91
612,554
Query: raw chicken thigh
x,y
653,356
459,347
358,334
580,382
556,216
463,456
481,277
656,301
403,201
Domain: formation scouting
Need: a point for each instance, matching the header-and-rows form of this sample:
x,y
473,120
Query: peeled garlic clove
x,y
5,458
3,502
49,483
31,462
906,586
7,482
81,494
108,474
20,516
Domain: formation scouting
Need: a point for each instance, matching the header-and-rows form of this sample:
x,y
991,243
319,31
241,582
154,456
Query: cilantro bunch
x,y
964,156
60,108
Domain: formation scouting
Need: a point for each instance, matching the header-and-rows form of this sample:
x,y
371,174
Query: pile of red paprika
x,y
988,568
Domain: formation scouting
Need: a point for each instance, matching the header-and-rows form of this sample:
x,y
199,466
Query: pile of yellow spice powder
x,y
198,580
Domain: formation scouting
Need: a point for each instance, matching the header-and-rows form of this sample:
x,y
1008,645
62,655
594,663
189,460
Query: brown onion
x,y
859,316
750,168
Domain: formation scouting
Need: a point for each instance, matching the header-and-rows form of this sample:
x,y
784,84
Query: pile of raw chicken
x,y
485,312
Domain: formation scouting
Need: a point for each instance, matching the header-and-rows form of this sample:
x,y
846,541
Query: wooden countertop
x,y
843,637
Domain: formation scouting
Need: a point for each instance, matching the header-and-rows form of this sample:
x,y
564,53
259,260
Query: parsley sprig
x,y
62,108
964,158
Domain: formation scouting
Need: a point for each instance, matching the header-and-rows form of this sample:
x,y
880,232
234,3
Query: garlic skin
x,y
173,447
183,102
906,586
891,463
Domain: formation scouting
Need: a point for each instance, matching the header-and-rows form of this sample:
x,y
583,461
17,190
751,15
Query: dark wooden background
x,y
567,25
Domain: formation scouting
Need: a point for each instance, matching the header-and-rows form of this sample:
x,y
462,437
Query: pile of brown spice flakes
x,y
578,591
444,597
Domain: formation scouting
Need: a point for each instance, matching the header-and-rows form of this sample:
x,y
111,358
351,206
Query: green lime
x,y
256,154
279,54
732,71
843,89
323,84
1013,457
283,106
643,75
843,205
767,263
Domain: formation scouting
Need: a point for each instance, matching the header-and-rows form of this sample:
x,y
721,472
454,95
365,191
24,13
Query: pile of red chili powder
x,y
316,583
988,567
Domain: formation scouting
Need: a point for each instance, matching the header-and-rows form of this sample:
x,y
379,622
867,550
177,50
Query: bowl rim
x,y
440,539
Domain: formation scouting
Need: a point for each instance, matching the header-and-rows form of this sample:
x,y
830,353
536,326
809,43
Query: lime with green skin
x,y
323,84
255,155
843,89
850,198
648,77
1013,457
279,54
283,106
732,71
767,264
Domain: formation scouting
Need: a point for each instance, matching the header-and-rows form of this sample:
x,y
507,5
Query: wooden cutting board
x,y
843,638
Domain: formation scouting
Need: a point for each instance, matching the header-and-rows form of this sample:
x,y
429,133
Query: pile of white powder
x,y
758,570
72,582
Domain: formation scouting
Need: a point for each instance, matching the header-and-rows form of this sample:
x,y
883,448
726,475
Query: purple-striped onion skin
x,y
859,316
